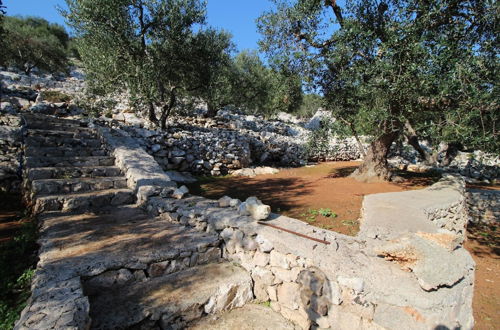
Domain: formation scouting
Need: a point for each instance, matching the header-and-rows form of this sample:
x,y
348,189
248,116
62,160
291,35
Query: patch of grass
x,y
327,213
55,96
311,214
349,222
265,304
17,264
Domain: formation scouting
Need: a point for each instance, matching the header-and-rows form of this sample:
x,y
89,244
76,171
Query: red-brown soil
x,y
484,245
300,192
11,210
293,192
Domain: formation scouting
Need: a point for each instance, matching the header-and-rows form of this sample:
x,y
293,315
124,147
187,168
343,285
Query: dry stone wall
x,y
10,152
422,278
484,206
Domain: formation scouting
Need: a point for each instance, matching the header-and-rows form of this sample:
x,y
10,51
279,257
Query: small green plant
x,y
327,213
266,304
311,214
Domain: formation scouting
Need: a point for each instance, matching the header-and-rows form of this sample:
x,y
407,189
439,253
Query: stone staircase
x,y
104,262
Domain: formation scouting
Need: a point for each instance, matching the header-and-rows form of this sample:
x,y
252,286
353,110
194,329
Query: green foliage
x,y
327,213
2,30
16,270
309,106
434,64
264,90
158,51
32,42
318,141
311,214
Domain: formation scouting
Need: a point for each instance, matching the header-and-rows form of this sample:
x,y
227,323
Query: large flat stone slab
x,y
249,317
122,237
439,208
174,299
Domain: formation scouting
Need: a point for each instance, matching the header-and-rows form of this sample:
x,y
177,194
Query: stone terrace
x,y
107,264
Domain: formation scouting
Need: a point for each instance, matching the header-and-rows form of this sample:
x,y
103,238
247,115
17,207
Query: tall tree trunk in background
x,y
412,137
152,114
451,153
375,167
167,108
211,111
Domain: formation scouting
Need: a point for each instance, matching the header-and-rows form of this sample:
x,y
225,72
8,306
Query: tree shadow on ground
x,y
488,240
279,193
341,172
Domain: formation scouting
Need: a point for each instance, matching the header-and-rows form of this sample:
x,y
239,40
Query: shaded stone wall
x,y
10,151
484,206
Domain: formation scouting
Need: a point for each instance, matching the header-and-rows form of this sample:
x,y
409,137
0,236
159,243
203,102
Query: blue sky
x,y
235,16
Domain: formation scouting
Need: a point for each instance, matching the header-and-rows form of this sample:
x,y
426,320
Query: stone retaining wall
x,y
10,151
421,278
484,206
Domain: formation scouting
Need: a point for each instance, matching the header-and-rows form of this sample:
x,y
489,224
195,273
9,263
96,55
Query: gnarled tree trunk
x,y
211,111
375,167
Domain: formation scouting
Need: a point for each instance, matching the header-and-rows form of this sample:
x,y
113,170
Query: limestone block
x,y
180,192
433,265
254,207
158,269
278,259
284,275
224,201
261,259
289,295
265,245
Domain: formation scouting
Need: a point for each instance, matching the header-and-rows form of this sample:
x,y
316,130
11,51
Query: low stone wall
x,y
10,152
421,277
141,170
484,206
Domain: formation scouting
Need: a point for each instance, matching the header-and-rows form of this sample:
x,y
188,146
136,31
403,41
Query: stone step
x,y
86,201
50,125
33,117
34,162
44,141
88,134
76,151
58,127
41,173
249,317
170,302
79,185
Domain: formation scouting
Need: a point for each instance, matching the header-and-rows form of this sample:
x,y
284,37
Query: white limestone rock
x,y
254,207
180,192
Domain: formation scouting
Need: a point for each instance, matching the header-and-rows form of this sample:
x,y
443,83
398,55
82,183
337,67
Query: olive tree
x,y
158,51
31,42
394,67
263,89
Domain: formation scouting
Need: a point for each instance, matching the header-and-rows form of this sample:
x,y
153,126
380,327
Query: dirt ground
x,y
300,193
484,245
11,210
303,193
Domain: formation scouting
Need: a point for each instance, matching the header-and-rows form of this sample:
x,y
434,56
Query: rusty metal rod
x,y
294,233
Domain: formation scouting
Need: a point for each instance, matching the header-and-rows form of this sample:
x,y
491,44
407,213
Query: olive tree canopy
x,y
396,67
